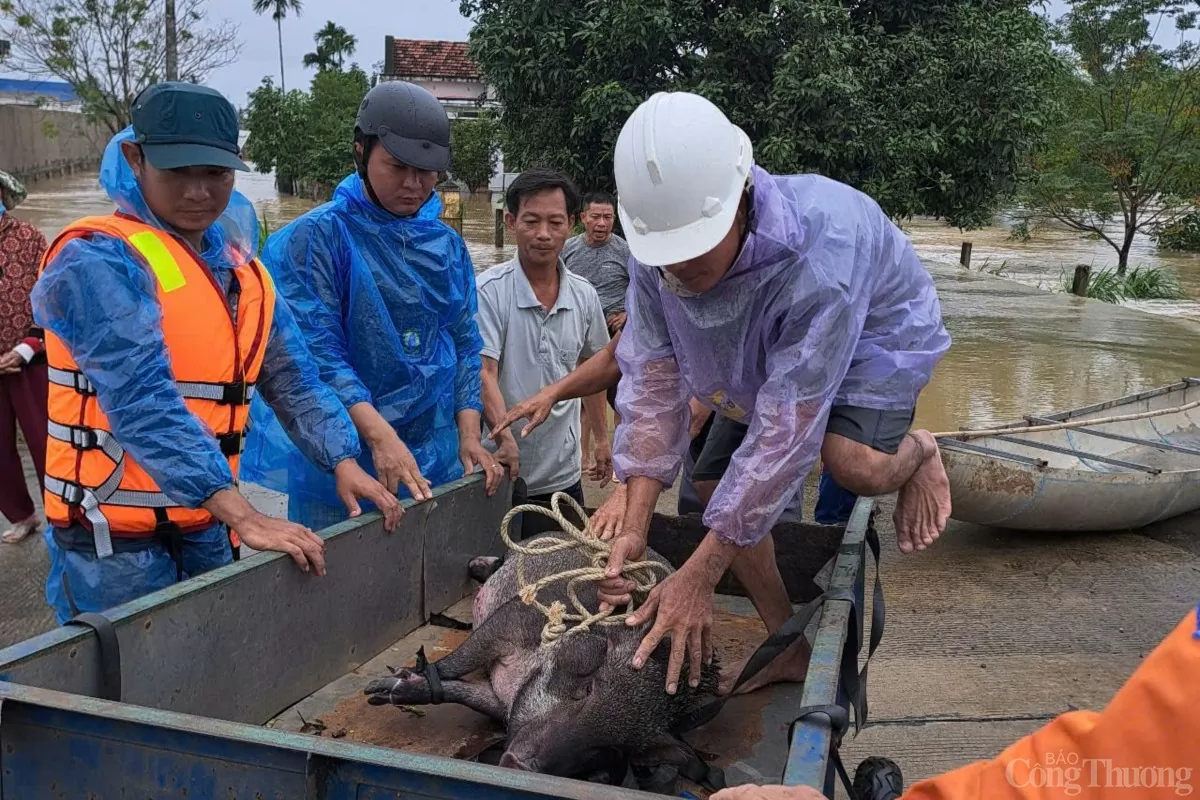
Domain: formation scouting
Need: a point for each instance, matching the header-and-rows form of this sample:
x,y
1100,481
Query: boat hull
x,y
1079,479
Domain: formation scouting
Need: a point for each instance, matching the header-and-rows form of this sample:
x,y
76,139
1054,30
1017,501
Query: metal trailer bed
x,y
182,708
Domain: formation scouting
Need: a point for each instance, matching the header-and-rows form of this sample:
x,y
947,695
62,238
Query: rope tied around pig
x,y
642,573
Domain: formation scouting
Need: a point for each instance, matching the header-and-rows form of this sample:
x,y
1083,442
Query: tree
x,y
474,150
1127,147
334,44
279,133
306,138
171,33
333,107
110,50
928,105
279,9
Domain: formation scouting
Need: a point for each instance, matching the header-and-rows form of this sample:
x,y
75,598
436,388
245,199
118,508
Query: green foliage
x,y
333,105
1183,235
334,44
279,131
1152,283
264,233
1124,156
474,150
110,50
1112,286
306,136
929,106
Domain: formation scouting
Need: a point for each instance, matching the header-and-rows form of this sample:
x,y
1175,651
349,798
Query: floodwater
x,y
1018,349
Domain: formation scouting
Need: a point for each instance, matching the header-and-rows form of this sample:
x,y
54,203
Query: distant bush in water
x,y
1151,283
1183,236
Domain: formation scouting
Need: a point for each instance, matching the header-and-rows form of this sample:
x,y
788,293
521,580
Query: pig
x,y
568,703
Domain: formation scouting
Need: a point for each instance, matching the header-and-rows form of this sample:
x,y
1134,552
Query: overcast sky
x,y
369,20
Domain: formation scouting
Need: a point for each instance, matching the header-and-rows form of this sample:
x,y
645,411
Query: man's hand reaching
x,y
536,409
353,484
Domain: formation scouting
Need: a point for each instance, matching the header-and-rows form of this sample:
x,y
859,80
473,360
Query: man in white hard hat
x,y
791,304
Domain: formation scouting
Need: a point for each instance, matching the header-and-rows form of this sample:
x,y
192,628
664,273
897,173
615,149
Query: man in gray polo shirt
x,y
539,321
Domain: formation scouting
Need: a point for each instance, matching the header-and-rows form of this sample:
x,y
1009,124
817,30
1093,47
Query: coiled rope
x,y
642,573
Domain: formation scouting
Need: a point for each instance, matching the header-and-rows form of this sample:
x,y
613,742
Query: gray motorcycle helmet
x,y
409,122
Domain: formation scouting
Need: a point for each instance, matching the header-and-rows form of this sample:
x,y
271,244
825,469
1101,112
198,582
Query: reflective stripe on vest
x,y
227,393
216,362
170,277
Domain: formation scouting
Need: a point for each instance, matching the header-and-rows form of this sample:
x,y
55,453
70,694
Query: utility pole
x,y
172,41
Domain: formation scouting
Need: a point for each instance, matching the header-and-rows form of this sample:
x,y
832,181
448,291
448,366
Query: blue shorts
x,y
80,582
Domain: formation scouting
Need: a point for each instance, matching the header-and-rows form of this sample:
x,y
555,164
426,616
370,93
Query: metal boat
x,y
1113,466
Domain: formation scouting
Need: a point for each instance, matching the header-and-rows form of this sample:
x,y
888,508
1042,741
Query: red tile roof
x,y
428,58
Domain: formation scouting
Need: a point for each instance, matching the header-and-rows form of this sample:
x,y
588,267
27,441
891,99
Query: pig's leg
x,y
407,688
513,628
496,646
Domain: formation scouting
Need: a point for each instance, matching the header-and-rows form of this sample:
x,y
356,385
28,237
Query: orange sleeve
x,y
1144,745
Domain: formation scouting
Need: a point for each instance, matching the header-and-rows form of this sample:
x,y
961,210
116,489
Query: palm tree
x,y
279,9
320,59
334,44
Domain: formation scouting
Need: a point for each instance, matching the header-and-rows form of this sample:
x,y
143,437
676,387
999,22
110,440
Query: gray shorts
x,y
879,430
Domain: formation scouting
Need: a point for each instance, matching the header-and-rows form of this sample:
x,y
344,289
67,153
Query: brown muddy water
x,y
1017,348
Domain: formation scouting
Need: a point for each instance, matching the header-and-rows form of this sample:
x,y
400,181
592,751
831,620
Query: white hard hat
x,y
680,167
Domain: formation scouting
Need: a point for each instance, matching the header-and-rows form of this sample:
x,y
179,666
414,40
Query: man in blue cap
x,y
160,326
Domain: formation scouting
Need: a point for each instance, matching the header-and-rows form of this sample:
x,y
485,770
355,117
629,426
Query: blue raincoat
x,y
101,301
388,306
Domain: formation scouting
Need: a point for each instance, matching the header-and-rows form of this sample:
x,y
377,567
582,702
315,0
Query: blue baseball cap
x,y
186,125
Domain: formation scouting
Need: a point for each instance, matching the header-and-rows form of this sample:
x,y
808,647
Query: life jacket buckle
x,y
72,493
82,384
231,444
234,394
84,439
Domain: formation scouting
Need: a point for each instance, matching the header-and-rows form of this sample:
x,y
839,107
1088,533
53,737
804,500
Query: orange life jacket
x,y
215,361
1145,744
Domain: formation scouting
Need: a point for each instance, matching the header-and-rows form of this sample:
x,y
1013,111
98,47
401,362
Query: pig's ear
x,y
665,750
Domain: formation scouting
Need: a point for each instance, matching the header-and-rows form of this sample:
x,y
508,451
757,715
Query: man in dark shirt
x,y
601,257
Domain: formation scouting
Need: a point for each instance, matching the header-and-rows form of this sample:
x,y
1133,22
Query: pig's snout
x,y
514,762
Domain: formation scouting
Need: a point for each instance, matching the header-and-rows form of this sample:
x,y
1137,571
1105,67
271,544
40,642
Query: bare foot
x,y
21,530
923,504
790,666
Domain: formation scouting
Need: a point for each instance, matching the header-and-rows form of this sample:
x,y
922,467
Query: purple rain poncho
x,y
827,304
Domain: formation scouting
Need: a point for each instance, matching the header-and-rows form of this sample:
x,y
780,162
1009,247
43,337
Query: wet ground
x,y
990,633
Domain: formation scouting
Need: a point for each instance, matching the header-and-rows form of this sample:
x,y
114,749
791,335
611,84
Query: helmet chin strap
x,y
360,164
